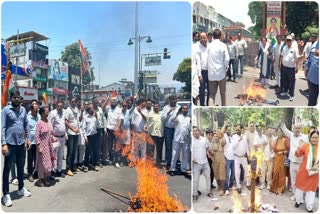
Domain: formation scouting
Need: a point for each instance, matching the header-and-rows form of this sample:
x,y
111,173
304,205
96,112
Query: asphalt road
x,y
225,203
251,73
81,193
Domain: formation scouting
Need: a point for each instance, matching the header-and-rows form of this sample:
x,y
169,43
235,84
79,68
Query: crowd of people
x,y
95,135
217,59
286,160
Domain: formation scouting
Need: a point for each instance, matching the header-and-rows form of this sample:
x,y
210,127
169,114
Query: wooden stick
x,y
108,191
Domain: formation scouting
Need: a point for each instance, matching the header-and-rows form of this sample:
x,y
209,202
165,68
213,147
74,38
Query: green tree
x,y
300,16
183,74
255,13
240,24
72,55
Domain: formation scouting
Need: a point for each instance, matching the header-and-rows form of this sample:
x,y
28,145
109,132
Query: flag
x,y
114,94
44,96
7,87
84,58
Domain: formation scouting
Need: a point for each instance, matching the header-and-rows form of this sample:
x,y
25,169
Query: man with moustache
x,y
14,124
181,140
240,149
57,120
168,113
201,55
114,117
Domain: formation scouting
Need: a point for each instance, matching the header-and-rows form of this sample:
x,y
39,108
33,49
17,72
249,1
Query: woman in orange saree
x,y
281,148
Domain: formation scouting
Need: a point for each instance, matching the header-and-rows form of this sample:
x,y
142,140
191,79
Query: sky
x,y
236,10
104,29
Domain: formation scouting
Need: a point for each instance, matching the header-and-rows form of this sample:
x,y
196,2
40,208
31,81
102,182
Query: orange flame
x,y
152,188
254,91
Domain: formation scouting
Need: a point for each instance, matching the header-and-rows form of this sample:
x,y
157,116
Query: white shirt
x,y
218,60
72,115
182,129
268,154
201,53
199,150
294,143
168,119
307,48
137,121
101,119
89,125
58,122
260,140
228,149
290,56
250,138
241,46
240,147
276,52
113,117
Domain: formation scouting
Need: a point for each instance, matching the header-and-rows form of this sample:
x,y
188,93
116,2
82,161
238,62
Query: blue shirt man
x,y
313,74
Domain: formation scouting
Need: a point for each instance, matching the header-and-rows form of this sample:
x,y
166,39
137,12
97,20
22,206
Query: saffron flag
x,y
44,96
7,87
114,94
84,58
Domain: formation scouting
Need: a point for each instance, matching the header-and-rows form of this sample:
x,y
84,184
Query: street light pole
x,y
137,51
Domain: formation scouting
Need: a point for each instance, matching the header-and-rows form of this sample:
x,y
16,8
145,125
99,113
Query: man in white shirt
x,y
181,140
147,111
233,55
57,120
288,64
267,164
169,112
200,162
114,117
240,149
202,67
296,140
242,45
72,115
218,61
229,155
89,126
250,136
138,128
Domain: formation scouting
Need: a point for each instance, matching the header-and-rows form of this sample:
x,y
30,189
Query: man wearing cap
x,y
296,140
201,53
242,45
288,64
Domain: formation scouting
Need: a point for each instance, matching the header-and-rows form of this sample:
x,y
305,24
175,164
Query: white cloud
x,y
234,10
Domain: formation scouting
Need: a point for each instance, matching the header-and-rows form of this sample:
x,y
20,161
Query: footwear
x,y
110,163
117,165
15,181
7,200
262,186
96,168
268,187
85,169
30,178
60,174
210,195
171,173
69,173
309,211
290,189
249,187
221,193
213,186
227,192
195,198
24,192
297,205
239,190
291,98
293,198
40,182
199,193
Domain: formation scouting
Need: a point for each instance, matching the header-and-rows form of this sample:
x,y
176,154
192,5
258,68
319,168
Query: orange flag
x,y
44,96
4,98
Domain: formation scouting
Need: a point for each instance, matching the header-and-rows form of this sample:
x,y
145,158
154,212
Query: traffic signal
x,y
141,81
165,54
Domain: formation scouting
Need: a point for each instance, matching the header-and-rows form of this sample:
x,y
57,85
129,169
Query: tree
x,y
300,16
72,55
255,13
183,74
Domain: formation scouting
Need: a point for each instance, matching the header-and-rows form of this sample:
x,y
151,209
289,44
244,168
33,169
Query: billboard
x,y
29,93
273,26
151,61
58,70
17,50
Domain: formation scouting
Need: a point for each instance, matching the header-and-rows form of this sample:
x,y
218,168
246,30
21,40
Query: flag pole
x,y
81,90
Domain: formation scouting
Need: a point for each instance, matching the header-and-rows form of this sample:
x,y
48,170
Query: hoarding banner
x,y
58,70
151,61
274,6
29,93
273,26
17,50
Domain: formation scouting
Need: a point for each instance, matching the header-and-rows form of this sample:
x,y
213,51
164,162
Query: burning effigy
x,y
255,94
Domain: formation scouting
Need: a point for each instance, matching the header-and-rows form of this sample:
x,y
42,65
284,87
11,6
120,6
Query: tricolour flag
x,y
7,88
84,58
